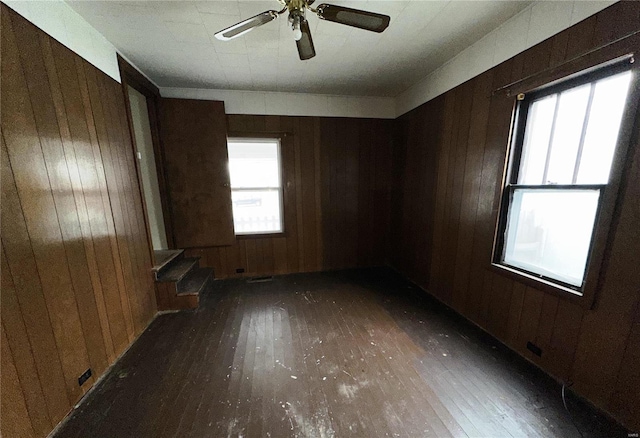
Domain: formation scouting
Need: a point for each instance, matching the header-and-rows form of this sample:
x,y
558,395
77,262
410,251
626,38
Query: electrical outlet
x,y
240,271
84,377
534,349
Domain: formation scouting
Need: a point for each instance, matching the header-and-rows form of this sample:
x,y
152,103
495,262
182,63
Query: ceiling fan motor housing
x,y
296,5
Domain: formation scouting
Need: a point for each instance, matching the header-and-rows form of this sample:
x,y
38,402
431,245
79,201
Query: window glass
x,y
254,164
256,189
256,211
602,131
549,232
566,135
536,141
571,136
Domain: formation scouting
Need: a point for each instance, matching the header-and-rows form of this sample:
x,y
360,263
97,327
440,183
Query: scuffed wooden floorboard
x,y
349,353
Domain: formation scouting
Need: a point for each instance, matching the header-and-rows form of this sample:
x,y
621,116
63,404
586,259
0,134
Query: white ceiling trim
x,y
291,104
531,26
62,23
58,20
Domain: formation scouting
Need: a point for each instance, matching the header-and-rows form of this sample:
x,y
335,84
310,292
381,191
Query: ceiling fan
x,y
301,33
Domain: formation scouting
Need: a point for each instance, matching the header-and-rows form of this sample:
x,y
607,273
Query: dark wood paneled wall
x,y
448,173
194,145
76,282
337,175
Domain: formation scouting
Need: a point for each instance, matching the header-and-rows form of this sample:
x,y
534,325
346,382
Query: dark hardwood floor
x,y
351,353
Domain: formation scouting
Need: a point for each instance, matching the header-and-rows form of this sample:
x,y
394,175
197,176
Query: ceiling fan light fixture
x,y
297,33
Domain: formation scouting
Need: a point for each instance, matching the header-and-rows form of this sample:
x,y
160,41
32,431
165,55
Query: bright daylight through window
x,y
256,185
562,156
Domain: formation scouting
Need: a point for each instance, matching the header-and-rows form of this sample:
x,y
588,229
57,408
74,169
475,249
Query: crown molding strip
x,y
291,104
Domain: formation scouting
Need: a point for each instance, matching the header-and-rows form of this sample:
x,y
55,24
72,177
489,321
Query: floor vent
x,y
260,279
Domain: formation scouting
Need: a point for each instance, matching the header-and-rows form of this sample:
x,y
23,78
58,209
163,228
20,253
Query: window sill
x,y
542,285
260,236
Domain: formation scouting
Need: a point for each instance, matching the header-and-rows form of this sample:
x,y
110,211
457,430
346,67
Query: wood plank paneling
x,y
471,187
625,400
18,343
75,233
116,191
77,286
194,141
337,179
589,347
40,215
34,312
15,416
105,237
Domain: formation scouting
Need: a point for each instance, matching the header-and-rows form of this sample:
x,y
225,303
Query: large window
x,y
565,139
256,185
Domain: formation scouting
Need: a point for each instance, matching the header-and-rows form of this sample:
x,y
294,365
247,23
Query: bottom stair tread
x,y
195,281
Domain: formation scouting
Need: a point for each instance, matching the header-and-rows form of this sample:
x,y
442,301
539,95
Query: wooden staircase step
x,y
164,257
195,282
177,270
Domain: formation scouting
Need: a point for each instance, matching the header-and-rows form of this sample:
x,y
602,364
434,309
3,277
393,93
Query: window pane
x,y
602,131
254,163
256,211
566,136
549,232
536,140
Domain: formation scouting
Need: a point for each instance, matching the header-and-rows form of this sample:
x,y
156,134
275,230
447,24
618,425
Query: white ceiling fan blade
x,y
246,25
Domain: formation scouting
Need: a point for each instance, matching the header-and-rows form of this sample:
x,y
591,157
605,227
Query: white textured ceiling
x,y
173,43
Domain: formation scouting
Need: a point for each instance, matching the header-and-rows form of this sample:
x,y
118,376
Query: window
x,y
256,185
563,149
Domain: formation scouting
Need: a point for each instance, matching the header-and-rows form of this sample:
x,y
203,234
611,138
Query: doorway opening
x,y
148,171
142,99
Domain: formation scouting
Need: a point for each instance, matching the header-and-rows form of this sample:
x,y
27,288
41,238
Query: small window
x,y
564,143
256,185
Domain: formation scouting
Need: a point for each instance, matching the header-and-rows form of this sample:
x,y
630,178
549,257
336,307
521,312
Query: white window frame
x,y
279,188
